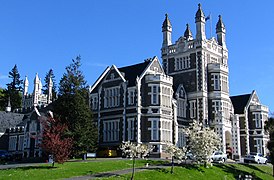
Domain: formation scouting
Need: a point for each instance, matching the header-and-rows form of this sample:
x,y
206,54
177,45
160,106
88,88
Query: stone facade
x,y
151,103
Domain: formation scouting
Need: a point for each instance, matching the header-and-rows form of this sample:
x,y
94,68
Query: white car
x,y
255,157
218,156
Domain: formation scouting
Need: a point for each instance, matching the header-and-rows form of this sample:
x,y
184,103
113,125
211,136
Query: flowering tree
x,y
54,141
134,150
202,141
174,151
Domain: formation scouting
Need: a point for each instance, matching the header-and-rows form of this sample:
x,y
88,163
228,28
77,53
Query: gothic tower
x,y
200,78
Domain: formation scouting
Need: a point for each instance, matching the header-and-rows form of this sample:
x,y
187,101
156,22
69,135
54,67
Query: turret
x,y
220,30
188,33
36,90
166,29
40,86
200,24
8,108
50,85
26,86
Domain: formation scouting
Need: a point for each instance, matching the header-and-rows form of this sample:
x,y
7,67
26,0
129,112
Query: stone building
x,y
151,103
252,117
37,98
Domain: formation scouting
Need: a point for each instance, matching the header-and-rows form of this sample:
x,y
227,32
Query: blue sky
x,y
39,35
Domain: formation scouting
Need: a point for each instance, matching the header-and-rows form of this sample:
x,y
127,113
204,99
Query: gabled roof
x,y
240,102
9,120
131,72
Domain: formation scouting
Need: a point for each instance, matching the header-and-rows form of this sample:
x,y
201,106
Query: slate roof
x,y
240,102
131,72
9,120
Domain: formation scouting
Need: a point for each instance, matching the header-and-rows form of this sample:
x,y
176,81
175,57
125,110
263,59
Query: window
x,y
258,120
111,130
216,106
166,131
112,97
154,129
224,83
12,143
259,145
131,97
181,139
182,63
182,108
154,94
216,81
130,128
20,143
166,96
94,104
192,108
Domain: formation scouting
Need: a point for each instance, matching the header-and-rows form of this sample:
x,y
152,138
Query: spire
x,y
200,24
166,29
36,79
8,108
50,84
166,24
188,33
200,16
220,27
26,85
220,30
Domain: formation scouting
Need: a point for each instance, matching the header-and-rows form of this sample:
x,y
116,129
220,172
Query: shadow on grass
x,y
236,172
196,167
35,167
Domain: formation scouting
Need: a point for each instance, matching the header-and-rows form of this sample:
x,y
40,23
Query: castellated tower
x,y
199,68
37,98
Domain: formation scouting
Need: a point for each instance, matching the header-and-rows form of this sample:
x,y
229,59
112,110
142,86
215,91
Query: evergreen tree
x,y
45,89
2,100
72,107
14,89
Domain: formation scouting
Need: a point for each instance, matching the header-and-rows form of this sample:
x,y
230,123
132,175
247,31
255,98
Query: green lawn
x,y
70,169
192,172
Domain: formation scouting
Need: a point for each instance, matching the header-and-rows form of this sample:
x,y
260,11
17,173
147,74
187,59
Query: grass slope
x,y
68,169
193,172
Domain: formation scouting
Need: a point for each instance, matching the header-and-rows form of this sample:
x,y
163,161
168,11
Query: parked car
x,y
4,155
255,157
218,156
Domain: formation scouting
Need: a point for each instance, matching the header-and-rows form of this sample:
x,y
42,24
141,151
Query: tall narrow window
x,y
131,97
216,81
154,129
192,107
258,120
130,129
154,95
182,108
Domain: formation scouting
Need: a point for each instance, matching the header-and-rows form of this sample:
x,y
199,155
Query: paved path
x,y
115,173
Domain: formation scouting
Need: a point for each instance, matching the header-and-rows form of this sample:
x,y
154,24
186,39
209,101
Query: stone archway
x,y
228,144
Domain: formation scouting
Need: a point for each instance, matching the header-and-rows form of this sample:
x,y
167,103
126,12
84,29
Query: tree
x,y
45,89
202,141
2,100
175,152
54,140
135,150
269,127
14,89
72,106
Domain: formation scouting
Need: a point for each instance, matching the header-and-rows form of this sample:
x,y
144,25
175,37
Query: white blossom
x,y
202,141
134,150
